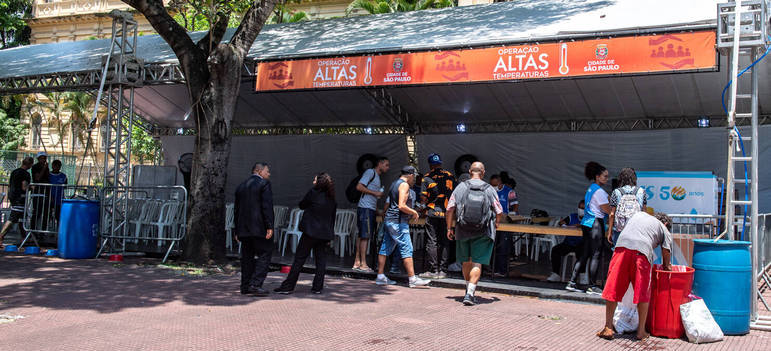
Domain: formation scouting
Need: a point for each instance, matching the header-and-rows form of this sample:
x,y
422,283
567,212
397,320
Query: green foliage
x,y
80,105
13,29
283,14
56,105
374,7
198,15
12,132
144,148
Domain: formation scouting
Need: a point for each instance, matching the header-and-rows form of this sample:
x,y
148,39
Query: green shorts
x,y
478,249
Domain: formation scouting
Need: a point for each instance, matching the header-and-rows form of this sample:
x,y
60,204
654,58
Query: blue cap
x,y
434,159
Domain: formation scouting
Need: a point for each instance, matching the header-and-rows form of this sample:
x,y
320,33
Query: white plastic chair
x,y
169,216
292,230
539,240
148,211
418,237
344,220
523,240
280,214
230,224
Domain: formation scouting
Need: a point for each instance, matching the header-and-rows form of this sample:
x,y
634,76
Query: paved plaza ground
x,y
54,304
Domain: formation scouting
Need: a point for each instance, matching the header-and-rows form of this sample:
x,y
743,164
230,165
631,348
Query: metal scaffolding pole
x,y
122,73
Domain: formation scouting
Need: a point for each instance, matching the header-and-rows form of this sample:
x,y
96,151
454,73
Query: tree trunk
x,y
214,115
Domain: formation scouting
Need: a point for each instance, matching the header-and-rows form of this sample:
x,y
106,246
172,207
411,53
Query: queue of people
x,y
47,201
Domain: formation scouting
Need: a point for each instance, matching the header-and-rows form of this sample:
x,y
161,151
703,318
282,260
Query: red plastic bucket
x,y
669,290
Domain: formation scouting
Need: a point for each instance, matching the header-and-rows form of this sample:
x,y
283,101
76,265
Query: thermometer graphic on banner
x,y
368,72
564,59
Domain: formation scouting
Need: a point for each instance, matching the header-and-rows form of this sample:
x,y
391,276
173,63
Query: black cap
x,y
406,170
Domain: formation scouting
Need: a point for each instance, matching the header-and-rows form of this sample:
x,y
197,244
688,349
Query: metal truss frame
x,y
154,74
609,125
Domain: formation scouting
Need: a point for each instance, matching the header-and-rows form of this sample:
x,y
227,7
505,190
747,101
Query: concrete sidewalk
x,y
93,305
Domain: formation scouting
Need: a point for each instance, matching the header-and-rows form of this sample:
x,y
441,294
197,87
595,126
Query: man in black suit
x,y
254,228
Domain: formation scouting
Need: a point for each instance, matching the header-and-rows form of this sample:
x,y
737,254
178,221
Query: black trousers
x,y
502,252
437,244
560,251
591,251
307,243
254,271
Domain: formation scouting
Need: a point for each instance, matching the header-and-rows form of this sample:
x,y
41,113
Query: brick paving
x,y
91,305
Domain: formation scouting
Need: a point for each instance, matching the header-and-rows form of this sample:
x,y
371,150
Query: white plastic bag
x,y
626,319
699,325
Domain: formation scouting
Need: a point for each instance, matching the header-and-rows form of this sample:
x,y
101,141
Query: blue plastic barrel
x,y
78,228
723,278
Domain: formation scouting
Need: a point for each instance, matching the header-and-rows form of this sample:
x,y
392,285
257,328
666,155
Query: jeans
x,y
307,243
397,237
367,222
254,271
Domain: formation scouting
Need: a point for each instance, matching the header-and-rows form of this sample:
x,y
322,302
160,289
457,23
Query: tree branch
x,y
215,34
251,25
191,58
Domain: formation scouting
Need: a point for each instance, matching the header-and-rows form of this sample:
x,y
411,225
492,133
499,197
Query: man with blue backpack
x,y
473,214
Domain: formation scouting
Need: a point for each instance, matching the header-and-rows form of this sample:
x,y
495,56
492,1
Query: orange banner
x,y
640,54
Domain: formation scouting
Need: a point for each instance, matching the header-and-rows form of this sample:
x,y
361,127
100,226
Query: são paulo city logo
x,y
398,65
601,52
678,193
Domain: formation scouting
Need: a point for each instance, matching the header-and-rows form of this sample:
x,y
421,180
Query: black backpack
x,y
476,210
351,193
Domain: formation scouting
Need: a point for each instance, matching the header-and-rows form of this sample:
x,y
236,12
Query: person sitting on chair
x,y
571,244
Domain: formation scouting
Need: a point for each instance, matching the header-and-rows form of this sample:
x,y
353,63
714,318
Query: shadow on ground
x,y
28,281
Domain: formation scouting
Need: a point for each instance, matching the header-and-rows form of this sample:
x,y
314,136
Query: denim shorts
x,y
366,221
397,237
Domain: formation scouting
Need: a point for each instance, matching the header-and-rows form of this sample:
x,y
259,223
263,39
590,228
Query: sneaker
x,y
455,267
384,281
554,277
594,291
572,287
499,275
366,270
440,275
317,292
419,282
282,291
469,300
427,275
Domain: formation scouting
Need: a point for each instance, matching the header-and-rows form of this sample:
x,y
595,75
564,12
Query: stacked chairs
x,y
160,219
170,218
280,218
148,211
344,222
292,230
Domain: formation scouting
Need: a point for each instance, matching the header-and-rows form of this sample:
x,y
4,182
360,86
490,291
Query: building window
x,y
77,143
37,128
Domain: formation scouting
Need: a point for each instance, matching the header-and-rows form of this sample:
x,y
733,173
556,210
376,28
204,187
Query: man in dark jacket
x,y
254,228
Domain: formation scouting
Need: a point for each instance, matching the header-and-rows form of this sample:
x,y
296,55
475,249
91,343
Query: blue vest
x,y
503,197
589,217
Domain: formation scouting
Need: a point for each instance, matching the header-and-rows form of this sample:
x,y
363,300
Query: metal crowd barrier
x,y
5,204
764,257
42,209
142,219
